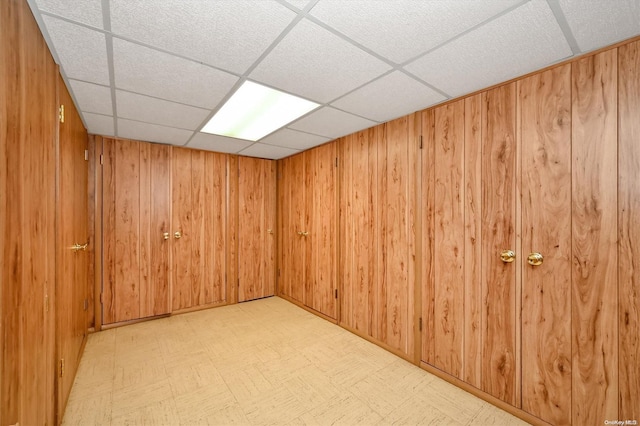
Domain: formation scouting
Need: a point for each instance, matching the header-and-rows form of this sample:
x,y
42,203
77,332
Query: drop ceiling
x,y
157,70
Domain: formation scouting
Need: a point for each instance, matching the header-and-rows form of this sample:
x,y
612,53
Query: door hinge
x,y
62,367
86,304
101,158
336,293
420,324
421,142
61,113
86,155
46,303
278,271
101,298
238,282
336,161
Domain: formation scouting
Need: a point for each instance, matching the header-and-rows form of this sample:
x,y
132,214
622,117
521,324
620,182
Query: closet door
x,y
629,229
594,224
292,194
135,220
444,226
499,363
256,225
198,227
321,228
72,239
359,238
544,139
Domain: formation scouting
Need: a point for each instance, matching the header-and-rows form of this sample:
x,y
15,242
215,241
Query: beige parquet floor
x,y
258,363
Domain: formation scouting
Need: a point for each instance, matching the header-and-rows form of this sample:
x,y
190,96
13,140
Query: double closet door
x,y
173,239
519,235
308,194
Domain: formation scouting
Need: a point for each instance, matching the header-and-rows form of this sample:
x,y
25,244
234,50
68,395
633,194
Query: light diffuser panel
x,y
255,111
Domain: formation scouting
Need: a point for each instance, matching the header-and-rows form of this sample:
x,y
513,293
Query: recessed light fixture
x,y
255,111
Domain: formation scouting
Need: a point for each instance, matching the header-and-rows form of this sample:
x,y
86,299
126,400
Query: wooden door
x,y
594,225
359,236
256,225
444,225
198,228
292,247
321,224
629,229
544,139
72,239
135,220
499,362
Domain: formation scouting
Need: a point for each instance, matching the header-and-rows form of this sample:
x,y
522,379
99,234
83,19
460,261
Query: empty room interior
x,y
314,212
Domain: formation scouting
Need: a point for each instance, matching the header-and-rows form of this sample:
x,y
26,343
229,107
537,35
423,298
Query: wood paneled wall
x,y
629,230
378,233
28,134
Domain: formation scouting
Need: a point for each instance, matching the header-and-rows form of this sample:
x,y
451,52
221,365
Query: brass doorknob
x,y
165,235
269,231
305,233
177,235
507,256
535,259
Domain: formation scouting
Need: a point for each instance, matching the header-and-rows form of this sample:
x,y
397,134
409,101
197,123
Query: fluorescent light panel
x,y
255,111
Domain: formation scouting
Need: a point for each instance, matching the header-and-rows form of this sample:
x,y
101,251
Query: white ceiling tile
x,y
217,143
315,63
158,111
227,34
92,97
294,139
402,29
598,23
389,97
521,41
155,73
81,51
99,124
268,151
85,11
331,123
152,132
300,4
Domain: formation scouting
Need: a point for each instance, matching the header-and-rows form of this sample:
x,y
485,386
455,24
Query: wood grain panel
x,y
256,215
472,360
428,236
397,235
127,230
232,228
629,229
449,235
298,205
345,262
72,227
158,292
498,233
215,220
545,142
360,238
594,182
197,237
324,229
283,182
181,217
307,238
144,231
27,219
109,231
